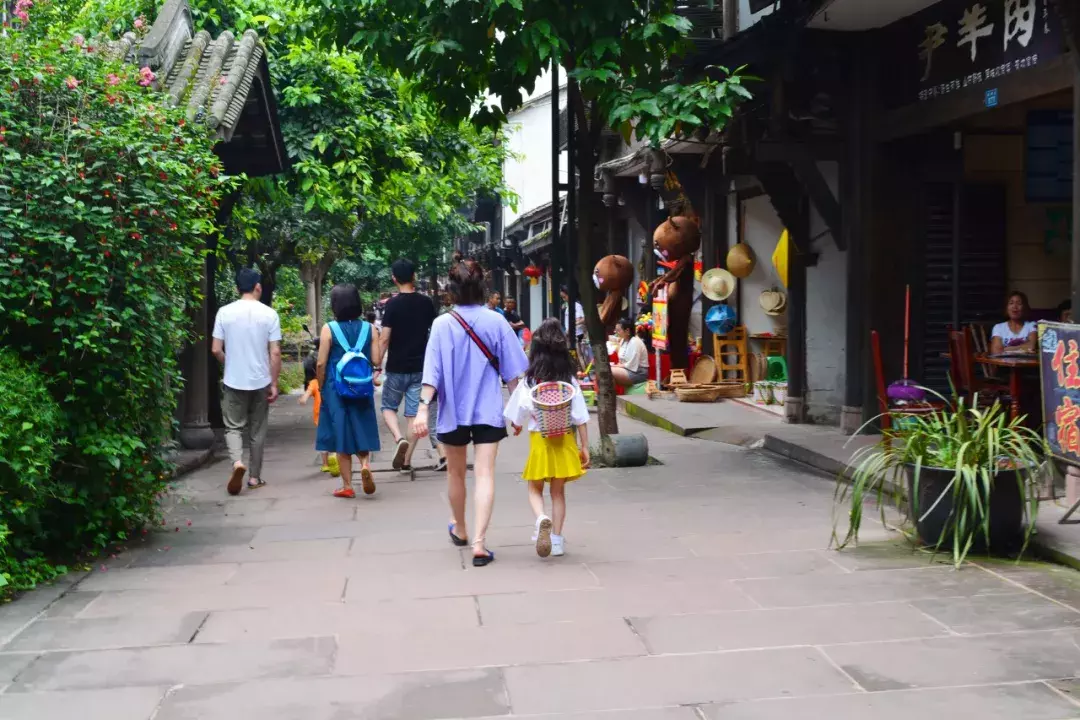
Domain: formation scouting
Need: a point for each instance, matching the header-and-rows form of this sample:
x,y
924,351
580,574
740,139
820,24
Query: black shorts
x,y
462,435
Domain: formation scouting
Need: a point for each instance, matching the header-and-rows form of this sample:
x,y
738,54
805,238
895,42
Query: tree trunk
x,y
313,273
586,206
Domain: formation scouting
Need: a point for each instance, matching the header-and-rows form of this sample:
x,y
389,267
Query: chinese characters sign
x,y
956,44
1059,365
659,314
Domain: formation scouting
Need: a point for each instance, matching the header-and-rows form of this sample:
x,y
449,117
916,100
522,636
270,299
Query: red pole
x,y
907,325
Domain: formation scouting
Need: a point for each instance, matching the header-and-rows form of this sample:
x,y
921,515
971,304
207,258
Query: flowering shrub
x,y
106,199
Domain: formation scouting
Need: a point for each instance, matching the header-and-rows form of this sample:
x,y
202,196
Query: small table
x,y
1015,363
773,343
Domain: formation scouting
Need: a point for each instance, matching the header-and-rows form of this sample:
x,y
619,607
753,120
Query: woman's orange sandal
x,y
345,492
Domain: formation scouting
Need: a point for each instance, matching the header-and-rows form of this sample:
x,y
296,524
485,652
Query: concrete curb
x,y
637,412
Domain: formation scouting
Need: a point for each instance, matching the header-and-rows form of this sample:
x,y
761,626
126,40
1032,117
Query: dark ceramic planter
x,y
1006,510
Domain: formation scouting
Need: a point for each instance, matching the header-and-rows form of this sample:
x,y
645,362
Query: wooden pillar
x,y
795,403
1076,193
714,244
555,252
857,208
195,430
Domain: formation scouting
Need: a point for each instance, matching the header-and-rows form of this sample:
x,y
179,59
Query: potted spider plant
x,y
969,473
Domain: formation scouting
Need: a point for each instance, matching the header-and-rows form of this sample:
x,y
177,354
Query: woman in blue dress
x,y
347,426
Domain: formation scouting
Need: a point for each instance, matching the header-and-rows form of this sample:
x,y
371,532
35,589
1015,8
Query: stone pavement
x,y
700,588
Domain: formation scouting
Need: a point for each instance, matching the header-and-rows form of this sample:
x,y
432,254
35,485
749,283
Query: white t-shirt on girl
x,y
1009,338
521,407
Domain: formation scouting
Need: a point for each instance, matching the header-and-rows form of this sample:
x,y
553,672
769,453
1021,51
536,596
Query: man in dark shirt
x,y
512,317
406,323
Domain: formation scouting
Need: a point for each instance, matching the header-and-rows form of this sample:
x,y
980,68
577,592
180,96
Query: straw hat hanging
x,y
741,260
718,284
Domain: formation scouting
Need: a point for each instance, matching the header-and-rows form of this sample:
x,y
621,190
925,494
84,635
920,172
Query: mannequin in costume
x,y
677,240
612,275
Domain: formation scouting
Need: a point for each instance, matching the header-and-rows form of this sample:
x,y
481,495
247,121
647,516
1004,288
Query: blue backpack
x,y
354,378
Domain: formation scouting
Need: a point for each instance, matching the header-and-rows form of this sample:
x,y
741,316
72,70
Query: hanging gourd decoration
x,y
613,275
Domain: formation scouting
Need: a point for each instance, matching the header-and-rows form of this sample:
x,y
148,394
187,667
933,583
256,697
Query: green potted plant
x,y
969,473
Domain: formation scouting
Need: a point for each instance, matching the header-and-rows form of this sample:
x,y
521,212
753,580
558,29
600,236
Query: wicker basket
x,y
698,394
704,371
552,403
710,392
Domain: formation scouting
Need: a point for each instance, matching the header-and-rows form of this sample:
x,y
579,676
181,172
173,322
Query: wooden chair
x,y
732,346
982,346
965,377
887,412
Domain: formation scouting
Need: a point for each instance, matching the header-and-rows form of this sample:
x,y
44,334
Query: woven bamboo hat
x,y
718,284
741,260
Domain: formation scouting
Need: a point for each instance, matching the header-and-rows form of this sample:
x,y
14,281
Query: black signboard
x,y
1059,368
957,44
1048,166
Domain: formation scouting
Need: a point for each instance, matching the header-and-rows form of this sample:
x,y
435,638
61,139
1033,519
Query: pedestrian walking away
x,y
247,341
347,423
406,325
312,392
470,353
557,460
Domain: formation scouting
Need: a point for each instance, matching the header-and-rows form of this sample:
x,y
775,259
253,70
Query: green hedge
x,y
106,198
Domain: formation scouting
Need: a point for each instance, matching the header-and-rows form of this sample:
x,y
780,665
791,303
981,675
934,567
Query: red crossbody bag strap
x,y
476,339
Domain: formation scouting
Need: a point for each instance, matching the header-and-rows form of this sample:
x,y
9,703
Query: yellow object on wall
x,y
780,257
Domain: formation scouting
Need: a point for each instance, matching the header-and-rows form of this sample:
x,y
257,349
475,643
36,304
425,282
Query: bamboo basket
x,y
710,392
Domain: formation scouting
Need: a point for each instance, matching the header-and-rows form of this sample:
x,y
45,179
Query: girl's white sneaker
x,y
543,536
558,546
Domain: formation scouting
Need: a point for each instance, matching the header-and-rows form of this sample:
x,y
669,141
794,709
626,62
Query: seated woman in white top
x,y
633,365
1017,333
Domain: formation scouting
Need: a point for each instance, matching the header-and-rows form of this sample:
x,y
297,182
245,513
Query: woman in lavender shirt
x,y
469,388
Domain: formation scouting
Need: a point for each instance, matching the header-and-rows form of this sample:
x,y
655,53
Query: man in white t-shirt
x,y
247,341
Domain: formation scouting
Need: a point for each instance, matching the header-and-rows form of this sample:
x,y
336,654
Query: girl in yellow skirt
x,y
552,460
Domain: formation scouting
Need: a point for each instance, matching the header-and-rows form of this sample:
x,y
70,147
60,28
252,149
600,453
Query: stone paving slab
x,y
1033,701
115,632
225,597
785,627
158,578
702,588
675,679
395,616
360,654
871,586
129,703
419,696
982,660
999,613
177,664
571,605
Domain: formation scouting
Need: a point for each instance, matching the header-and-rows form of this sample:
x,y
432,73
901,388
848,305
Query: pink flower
x,y
223,80
112,79
146,77
71,82
22,15
140,22
78,40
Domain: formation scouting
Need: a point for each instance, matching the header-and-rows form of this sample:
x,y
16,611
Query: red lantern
x,y
533,273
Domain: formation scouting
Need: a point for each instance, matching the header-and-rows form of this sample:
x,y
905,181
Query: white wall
x,y
826,318
826,302
748,19
528,171
761,231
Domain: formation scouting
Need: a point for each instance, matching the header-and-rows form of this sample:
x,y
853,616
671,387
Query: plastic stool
x,y
776,369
